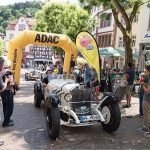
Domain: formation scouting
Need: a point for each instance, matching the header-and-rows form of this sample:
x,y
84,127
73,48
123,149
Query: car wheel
x,y
37,98
53,122
27,78
112,116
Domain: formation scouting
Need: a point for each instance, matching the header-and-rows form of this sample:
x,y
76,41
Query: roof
x,y
30,21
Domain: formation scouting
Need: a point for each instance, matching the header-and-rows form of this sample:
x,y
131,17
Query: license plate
x,y
89,118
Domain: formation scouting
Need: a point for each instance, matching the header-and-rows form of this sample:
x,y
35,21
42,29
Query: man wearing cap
x,y
6,91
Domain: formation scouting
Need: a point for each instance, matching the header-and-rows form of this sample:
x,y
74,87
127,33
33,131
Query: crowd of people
x,y
88,76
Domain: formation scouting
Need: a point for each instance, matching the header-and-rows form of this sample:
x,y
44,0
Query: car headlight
x,y
68,97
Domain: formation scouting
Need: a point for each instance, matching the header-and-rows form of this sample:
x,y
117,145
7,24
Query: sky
x,y
7,2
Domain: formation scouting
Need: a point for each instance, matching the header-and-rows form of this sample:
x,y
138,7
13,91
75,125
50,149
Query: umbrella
x,y
109,51
122,53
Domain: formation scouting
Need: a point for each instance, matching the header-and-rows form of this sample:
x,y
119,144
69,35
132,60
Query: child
x,y
122,88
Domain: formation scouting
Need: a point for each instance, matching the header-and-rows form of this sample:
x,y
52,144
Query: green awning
x,y
108,52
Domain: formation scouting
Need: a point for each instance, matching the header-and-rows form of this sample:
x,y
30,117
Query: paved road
x,y
29,131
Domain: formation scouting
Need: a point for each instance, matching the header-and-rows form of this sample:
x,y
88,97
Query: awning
x,y
122,52
108,52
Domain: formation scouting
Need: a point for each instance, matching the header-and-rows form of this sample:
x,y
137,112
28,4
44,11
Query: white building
x,y
140,33
14,28
104,31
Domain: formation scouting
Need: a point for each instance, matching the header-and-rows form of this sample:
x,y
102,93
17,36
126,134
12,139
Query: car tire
x,y
27,78
53,122
112,116
37,98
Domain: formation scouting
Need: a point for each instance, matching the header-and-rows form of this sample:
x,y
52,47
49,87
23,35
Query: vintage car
x,y
32,74
69,103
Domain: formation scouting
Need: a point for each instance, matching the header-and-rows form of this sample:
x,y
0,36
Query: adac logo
x,y
86,42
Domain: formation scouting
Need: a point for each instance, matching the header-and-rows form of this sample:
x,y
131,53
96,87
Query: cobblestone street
x,y
29,131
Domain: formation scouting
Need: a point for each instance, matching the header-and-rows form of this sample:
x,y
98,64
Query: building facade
x,y
108,34
31,53
14,28
105,30
140,34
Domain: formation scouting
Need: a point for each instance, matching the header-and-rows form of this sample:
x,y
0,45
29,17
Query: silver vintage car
x,y
68,103
32,74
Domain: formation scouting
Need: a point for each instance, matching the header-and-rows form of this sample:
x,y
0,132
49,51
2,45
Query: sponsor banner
x,y
88,47
16,44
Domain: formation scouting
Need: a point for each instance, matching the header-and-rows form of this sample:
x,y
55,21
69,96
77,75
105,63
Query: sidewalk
x,y
29,131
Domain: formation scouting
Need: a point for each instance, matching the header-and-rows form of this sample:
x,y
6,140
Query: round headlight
x,y
68,97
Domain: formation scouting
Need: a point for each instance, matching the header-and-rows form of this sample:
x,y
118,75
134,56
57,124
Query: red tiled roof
x,y
30,21
11,27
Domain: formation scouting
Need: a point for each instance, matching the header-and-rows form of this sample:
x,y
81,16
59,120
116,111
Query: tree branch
x,y
143,3
134,11
118,23
121,9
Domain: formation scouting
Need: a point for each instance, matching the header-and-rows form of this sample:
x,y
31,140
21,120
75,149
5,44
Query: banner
x,y
88,47
24,38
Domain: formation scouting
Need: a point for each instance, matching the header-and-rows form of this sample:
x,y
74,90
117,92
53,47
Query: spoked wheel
x,y
112,116
53,122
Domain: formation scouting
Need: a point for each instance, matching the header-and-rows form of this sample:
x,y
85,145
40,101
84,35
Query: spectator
x,y
143,79
131,72
78,74
49,76
121,89
146,104
94,78
6,93
87,77
55,70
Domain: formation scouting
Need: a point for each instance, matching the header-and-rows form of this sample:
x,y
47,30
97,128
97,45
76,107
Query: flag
x,y
88,47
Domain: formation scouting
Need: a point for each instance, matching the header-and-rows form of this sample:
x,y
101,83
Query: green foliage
x,y
12,12
63,19
2,47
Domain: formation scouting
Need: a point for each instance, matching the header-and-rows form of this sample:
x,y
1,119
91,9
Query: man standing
x,y
146,105
87,77
6,93
131,73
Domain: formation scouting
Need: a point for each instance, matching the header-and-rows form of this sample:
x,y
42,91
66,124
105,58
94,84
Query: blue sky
x,y
7,2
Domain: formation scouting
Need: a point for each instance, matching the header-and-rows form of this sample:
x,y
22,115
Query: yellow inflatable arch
x,y
16,44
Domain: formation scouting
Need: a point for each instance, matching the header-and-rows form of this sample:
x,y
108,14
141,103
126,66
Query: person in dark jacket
x,y
6,93
131,72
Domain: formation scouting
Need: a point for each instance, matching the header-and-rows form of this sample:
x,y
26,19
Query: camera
x,y
7,75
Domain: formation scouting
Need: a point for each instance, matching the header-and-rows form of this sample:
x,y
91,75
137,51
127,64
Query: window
x,y
11,36
31,49
106,21
21,27
133,41
104,40
120,42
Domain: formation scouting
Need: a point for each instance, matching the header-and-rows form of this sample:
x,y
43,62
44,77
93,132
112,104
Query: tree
x,y
2,47
63,19
120,6
12,12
